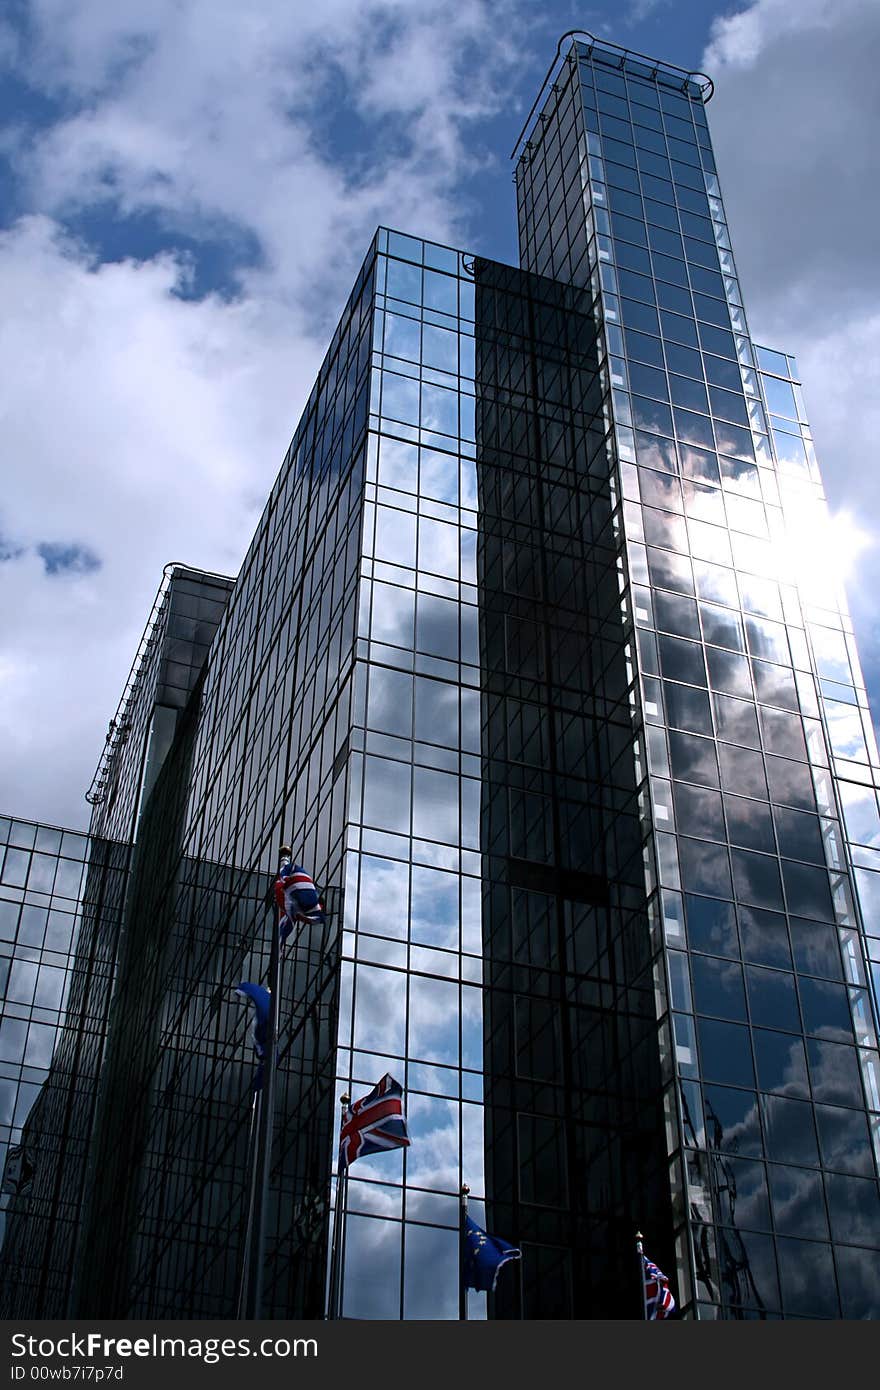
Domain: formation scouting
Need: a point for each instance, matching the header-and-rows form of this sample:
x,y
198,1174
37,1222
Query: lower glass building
x,y
61,897
556,705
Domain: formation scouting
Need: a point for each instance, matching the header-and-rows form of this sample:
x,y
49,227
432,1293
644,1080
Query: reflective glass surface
x,y
760,748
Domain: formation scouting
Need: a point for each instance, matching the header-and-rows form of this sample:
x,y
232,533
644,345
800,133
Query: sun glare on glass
x,y
822,549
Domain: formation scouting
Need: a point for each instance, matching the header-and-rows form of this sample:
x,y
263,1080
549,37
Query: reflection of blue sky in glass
x,y
426,1025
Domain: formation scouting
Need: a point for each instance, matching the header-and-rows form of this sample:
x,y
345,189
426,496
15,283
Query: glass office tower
x,y
430,699
754,741
61,896
532,662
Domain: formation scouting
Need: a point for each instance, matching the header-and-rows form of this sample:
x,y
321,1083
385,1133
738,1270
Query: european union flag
x,y
259,997
483,1256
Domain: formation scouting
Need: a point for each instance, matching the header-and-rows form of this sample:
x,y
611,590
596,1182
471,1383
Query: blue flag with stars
x,y
483,1256
259,997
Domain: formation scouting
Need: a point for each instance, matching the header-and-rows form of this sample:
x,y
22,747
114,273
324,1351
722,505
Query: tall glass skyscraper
x,y
754,743
532,661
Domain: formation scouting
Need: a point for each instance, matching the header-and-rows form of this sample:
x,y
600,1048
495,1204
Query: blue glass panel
x,y
773,998
858,1273
756,878
798,1202
691,395
705,869
781,1063
764,937
806,1272
789,1132
807,891
711,926
816,949
844,1141
678,329
648,381
834,1073
725,1053
826,1009
772,361
717,984
732,1120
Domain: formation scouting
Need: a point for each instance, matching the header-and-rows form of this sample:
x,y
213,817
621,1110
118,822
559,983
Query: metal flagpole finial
x,y
285,851
344,1098
465,1190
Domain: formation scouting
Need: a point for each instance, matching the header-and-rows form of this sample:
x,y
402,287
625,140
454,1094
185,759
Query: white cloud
x,y
143,426
794,123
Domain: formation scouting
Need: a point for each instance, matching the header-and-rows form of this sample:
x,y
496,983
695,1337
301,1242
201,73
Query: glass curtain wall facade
x,y
185,614
61,896
259,756
445,736
534,662
496,953
755,746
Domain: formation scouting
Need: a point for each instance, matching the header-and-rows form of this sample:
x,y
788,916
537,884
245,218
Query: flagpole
x,y
462,1226
267,1120
335,1244
641,1258
246,1261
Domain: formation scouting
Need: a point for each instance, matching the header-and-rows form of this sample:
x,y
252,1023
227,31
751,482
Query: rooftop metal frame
x,y
120,727
656,65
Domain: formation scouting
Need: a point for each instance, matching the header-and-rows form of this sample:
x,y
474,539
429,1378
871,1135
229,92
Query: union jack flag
x,y
297,898
659,1302
374,1123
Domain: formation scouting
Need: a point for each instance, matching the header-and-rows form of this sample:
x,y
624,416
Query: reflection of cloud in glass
x,y
40,1044
393,615
433,1020
845,730
437,630
471,915
22,982
437,1208
400,398
798,1205
471,1027
438,1080
861,813
438,547
435,805
439,409
395,536
13,1032
440,348
389,707
371,1279
473,1147
430,1287
436,712
834,1073
7,1101
806,1272
439,475
386,794
854,1209
398,464
379,1011
432,1159
402,336
383,904
375,1198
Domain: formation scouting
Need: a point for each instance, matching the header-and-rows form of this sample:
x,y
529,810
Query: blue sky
x,y
189,188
